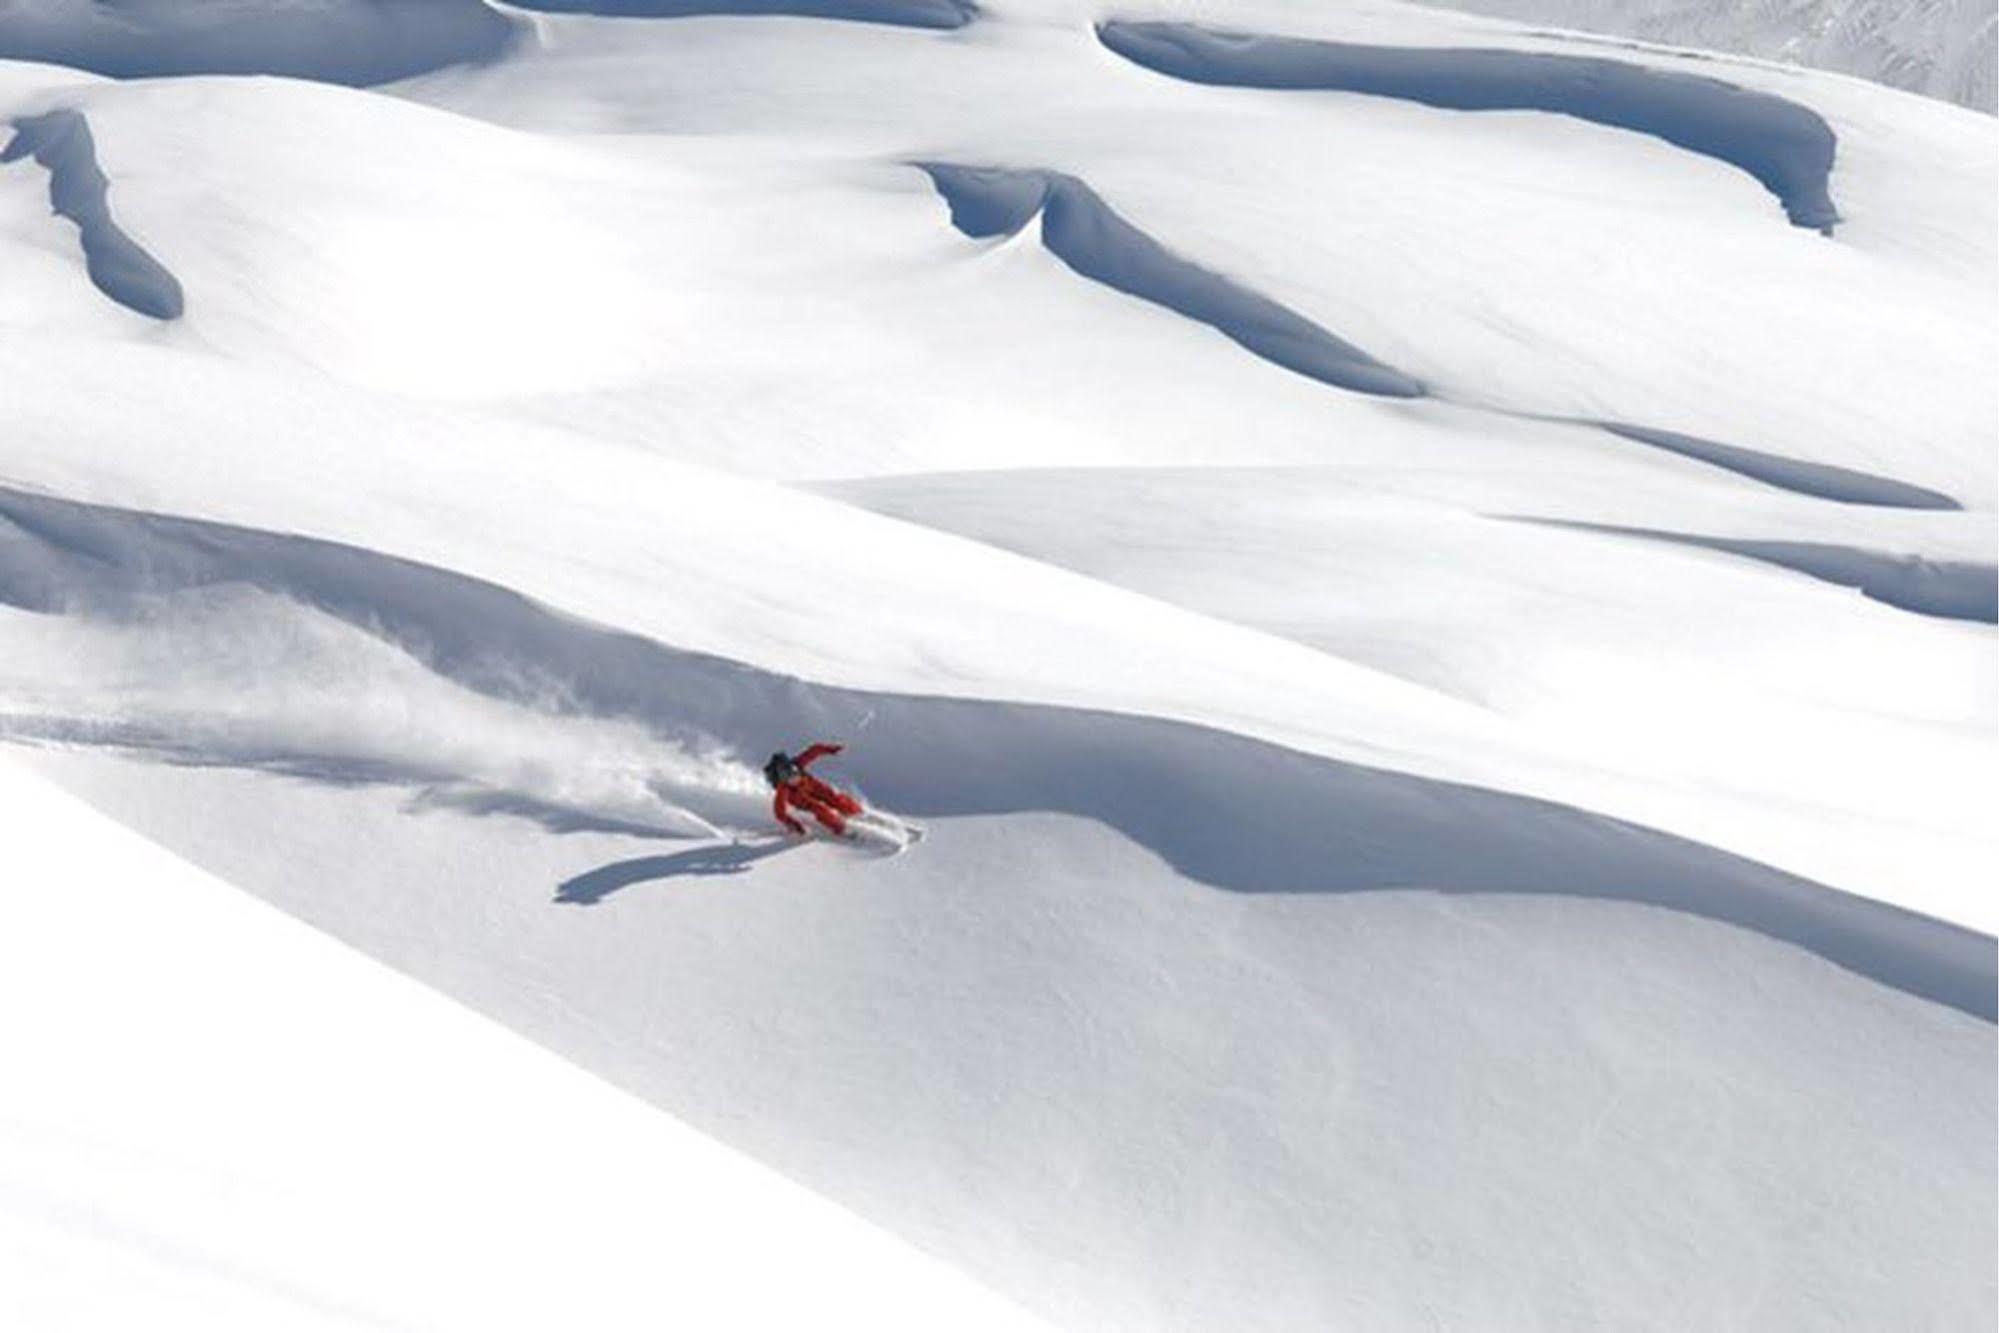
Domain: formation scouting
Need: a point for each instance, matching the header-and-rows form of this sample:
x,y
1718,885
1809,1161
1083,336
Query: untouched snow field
x,y
1446,654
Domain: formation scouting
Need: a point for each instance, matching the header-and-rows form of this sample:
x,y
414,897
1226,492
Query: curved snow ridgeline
x,y
1085,233
60,141
357,42
1803,477
1229,812
1082,231
1788,147
1952,589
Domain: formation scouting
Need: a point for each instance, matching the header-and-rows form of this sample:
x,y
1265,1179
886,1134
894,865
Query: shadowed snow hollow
x,y
340,41
1941,48
1787,147
60,141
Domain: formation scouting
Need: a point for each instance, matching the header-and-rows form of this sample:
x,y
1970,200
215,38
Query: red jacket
x,y
822,801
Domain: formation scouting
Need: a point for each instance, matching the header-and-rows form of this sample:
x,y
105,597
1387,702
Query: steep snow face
x,y
341,41
219,1119
1137,1104
1783,145
513,710
1941,48
1331,788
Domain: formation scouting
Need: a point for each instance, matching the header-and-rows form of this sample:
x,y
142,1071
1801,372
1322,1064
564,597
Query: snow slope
x,y
283,1134
1464,857
1134,1102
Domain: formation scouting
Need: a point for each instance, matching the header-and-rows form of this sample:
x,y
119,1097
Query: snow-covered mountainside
x,y
217,1118
1432,584
1941,48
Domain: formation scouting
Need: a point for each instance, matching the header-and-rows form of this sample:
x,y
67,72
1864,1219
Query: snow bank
x,y
1844,485
1226,811
355,42
1941,48
78,190
1084,233
1786,146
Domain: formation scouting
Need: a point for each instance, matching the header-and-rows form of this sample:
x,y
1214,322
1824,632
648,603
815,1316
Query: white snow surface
x,y
218,1118
544,442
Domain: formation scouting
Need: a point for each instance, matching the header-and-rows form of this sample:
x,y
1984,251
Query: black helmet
x,y
779,769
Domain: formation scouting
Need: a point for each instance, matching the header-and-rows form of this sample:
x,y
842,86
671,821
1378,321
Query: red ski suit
x,y
824,803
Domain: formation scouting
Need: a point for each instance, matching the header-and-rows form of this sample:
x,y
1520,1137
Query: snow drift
x,y
1940,48
1954,589
60,141
1229,812
1084,233
357,42
1820,480
1788,147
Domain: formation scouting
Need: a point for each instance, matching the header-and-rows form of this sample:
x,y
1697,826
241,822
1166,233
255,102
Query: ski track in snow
x,y
1234,813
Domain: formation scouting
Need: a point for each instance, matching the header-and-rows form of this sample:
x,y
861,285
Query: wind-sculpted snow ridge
x,y
1235,813
353,42
1787,147
1949,589
60,141
1822,481
1081,230
940,14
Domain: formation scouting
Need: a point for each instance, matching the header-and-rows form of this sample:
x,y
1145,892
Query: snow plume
x,y
236,676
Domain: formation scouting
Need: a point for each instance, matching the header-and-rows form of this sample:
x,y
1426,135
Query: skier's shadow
x,y
593,886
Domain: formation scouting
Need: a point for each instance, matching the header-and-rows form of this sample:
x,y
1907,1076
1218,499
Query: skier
x,y
794,786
